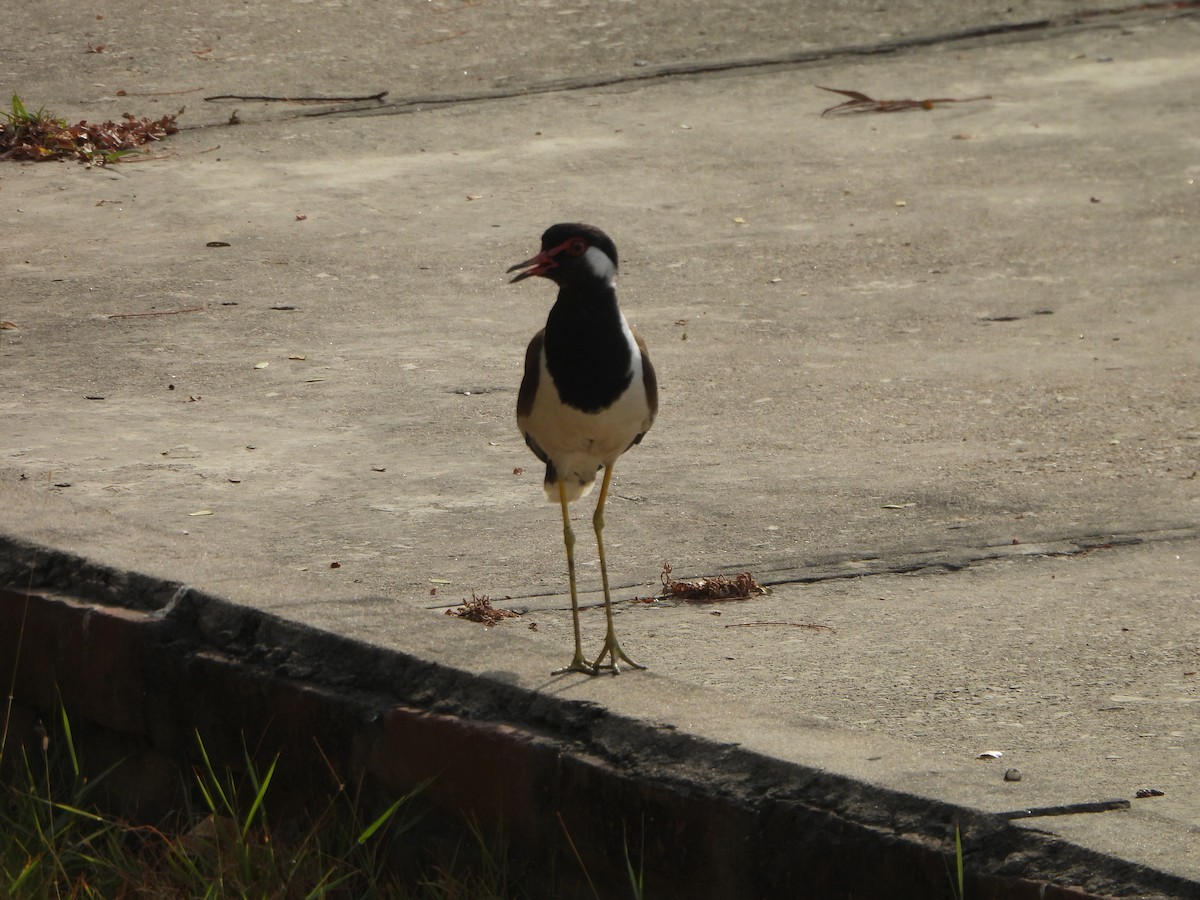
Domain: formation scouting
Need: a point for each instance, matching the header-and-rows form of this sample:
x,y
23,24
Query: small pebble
x,y
1012,775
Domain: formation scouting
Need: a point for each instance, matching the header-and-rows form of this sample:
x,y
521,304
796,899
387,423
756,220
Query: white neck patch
x,y
602,267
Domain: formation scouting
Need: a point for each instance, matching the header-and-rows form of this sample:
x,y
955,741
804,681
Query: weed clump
x,y
39,136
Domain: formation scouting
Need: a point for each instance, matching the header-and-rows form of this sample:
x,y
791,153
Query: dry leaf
x,y
860,102
201,512
261,365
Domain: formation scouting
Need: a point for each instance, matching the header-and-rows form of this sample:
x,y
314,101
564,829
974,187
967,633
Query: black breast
x,y
588,354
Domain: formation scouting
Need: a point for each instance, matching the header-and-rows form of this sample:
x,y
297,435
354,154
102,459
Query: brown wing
x,y
529,383
649,378
529,387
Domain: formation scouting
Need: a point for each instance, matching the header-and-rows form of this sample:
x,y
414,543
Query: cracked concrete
x,y
952,351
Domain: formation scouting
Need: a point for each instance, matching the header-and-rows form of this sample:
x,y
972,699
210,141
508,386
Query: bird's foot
x,y
578,664
612,649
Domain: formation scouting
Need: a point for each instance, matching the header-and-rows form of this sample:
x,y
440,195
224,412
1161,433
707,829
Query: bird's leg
x,y
612,648
578,664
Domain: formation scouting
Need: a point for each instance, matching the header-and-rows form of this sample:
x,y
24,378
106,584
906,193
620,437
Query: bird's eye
x,y
577,247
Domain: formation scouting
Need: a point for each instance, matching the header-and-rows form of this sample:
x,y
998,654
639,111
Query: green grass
x,y
958,886
52,842
56,840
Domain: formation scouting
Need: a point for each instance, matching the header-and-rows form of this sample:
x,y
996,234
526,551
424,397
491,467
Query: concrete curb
x,y
716,819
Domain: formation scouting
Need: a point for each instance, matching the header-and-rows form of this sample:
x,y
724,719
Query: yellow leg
x,y
612,648
578,664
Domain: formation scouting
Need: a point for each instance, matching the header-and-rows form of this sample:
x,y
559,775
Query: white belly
x,y
580,443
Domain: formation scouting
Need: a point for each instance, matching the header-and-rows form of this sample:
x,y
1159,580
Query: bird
x,y
589,393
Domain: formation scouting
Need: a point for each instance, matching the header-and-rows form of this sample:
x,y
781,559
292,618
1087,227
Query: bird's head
x,y
572,253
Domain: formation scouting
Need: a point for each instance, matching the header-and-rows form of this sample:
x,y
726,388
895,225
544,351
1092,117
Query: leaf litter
x,y
720,588
38,136
710,590
480,609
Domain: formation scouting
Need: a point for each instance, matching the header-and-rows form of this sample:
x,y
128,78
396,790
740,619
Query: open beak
x,y
536,265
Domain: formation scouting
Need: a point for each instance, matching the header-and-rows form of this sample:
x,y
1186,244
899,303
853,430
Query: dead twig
x,y
157,312
124,93
437,40
1069,809
812,626
861,103
152,157
265,98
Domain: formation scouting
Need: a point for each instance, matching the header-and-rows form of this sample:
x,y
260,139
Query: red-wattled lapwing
x,y
588,395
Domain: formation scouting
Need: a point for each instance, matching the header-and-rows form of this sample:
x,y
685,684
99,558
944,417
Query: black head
x,y
572,252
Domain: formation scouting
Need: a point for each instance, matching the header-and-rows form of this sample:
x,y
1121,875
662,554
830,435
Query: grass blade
x,y
391,811
366,833
69,739
210,776
636,877
958,853
259,793
578,858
